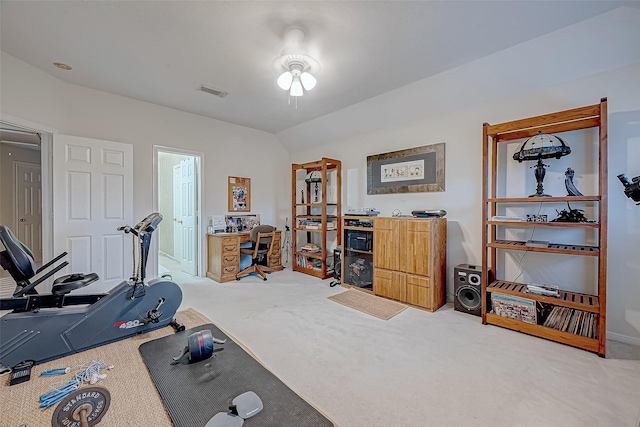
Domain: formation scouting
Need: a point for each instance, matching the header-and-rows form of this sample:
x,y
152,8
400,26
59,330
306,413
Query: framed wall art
x,y
419,169
239,194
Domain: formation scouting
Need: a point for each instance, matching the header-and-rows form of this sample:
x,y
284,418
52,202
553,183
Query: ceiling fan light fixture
x,y
298,65
308,81
296,87
285,80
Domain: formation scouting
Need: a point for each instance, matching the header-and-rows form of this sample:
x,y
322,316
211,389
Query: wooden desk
x,y
223,255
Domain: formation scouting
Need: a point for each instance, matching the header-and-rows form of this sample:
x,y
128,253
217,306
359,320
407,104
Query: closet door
x,y
92,197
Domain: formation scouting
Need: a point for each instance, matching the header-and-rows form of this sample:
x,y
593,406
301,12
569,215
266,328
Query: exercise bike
x,y
44,327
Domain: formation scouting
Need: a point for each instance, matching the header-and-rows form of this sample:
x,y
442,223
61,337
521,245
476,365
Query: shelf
x,y
346,227
313,272
543,199
358,251
544,332
319,220
575,300
317,255
496,175
546,224
556,248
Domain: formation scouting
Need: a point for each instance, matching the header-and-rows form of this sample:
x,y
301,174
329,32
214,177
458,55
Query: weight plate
x,y
95,400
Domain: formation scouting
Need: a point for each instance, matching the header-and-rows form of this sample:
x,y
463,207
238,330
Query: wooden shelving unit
x,y
316,221
591,116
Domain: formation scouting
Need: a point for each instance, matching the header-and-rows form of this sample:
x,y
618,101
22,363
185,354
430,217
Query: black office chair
x,y
261,238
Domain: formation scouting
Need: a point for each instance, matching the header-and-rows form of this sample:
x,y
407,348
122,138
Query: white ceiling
x,y
161,51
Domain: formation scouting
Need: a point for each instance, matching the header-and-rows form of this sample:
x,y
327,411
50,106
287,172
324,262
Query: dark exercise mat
x,y
193,394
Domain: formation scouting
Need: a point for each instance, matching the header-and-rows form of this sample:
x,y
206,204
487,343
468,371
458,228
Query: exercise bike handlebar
x,y
147,225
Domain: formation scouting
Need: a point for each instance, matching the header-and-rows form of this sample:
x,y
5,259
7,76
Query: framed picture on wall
x,y
419,169
239,194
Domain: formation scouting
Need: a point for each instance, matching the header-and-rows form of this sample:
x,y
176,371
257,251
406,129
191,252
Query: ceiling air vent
x,y
212,91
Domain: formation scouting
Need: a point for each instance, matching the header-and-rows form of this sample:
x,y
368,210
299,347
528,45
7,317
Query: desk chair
x,y
261,238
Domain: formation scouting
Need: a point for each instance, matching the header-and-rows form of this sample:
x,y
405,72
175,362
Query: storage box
x,y
514,307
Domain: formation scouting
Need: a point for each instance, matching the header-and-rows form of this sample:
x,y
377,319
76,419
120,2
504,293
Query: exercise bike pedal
x,y
179,327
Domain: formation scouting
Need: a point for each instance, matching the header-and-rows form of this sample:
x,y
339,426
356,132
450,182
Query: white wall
x,y
32,95
567,69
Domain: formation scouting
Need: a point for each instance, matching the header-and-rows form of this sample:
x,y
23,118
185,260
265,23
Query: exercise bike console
x,y
44,327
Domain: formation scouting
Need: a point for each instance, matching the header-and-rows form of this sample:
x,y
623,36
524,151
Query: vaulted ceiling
x,y
162,51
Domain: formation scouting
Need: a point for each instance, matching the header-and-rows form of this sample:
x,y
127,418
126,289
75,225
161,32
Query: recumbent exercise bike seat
x,y
19,261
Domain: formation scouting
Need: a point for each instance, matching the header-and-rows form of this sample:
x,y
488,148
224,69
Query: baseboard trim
x,y
623,338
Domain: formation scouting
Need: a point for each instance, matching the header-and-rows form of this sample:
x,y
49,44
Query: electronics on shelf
x,y
429,213
358,223
507,218
363,212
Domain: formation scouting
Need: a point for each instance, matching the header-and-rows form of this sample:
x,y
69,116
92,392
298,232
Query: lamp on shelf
x,y
298,65
315,177
538,147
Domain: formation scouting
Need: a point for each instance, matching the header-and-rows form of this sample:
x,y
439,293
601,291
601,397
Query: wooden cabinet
x,y
316,215
583,314
409,260
223,255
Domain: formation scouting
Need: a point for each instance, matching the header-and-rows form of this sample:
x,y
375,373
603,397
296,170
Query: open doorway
x,y
178,199
25,192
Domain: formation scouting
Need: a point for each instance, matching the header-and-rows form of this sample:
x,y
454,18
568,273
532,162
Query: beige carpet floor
x,y
134,399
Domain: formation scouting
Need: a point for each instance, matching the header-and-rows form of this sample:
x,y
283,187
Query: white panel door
x,y
188,208
28,191
177,213
92,197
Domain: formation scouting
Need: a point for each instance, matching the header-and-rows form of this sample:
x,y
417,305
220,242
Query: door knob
x,y
180,222
22,220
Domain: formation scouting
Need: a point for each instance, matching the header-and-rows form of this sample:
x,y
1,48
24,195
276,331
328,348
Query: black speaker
x,y
337,266
467,289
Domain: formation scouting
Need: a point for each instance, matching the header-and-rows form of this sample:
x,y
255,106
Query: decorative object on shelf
x,y
298,65
571,215
413,170
538,147
631,188
568,183
302,196
536,218
239,194
316,178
